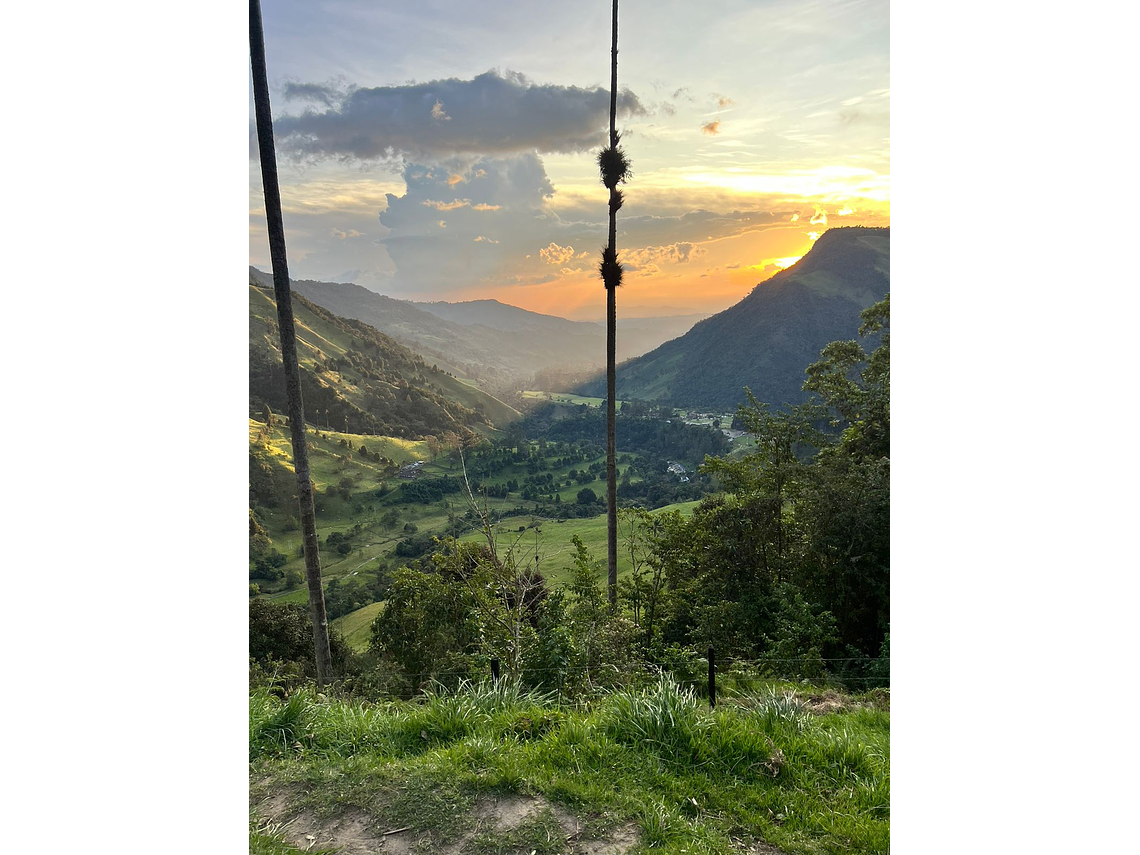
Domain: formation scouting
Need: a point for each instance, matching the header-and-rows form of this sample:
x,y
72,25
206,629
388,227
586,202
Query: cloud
x,y
490,114
819,218
711,128
650,257
795,217
330,94
684,91
846,211
339,235
555,254
723,101
496,214
446,206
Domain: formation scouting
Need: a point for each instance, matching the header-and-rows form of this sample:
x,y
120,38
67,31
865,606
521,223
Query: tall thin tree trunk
x,y
288,341
611,349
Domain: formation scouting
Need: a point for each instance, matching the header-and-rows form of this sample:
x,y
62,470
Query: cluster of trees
x,y
794,559
645,433
449,613
788,569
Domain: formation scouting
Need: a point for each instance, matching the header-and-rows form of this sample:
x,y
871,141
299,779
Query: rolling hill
x,y
768,339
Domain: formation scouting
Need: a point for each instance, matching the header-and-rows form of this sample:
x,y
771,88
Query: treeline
x,y
645,434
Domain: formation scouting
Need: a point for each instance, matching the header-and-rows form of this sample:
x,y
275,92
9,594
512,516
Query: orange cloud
x,y
446,206
555,254
711,128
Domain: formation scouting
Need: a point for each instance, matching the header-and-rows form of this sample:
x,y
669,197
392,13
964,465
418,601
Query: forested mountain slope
x,y
769,338
357,379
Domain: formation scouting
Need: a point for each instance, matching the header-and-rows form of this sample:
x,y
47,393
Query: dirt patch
x,y
508,812
352,833
358,833
764,849
620,841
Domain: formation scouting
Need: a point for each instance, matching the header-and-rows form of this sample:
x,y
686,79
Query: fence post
x,y
495,670
712,676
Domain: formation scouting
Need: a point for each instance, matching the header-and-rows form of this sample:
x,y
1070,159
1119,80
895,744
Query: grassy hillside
x,y
769,338
553,540
364,380
356,627
642,770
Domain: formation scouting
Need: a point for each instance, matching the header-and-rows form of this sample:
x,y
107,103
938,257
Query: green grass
x,y
555,550
690,779
328,466
356,627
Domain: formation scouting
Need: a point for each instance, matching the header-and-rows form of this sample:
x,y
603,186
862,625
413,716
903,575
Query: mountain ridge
x,y
767,339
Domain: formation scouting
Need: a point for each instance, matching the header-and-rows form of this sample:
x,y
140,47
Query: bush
x,y
283,632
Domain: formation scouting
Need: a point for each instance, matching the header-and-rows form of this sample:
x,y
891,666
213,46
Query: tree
x,y
857,385
288,336
614,169
587,497
644,588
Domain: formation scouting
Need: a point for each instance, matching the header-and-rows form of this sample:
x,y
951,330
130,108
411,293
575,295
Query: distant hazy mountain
x,y
501,316
769,338
467,338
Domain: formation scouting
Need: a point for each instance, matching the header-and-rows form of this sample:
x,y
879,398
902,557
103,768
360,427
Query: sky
x,y
446,151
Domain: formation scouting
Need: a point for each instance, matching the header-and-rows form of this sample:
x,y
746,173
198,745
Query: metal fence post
x,y
712,676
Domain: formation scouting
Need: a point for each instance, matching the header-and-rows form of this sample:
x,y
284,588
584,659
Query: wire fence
x,y
576,684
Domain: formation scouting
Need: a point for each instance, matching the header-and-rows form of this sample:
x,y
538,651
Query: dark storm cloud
x,y
322,93
491,114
